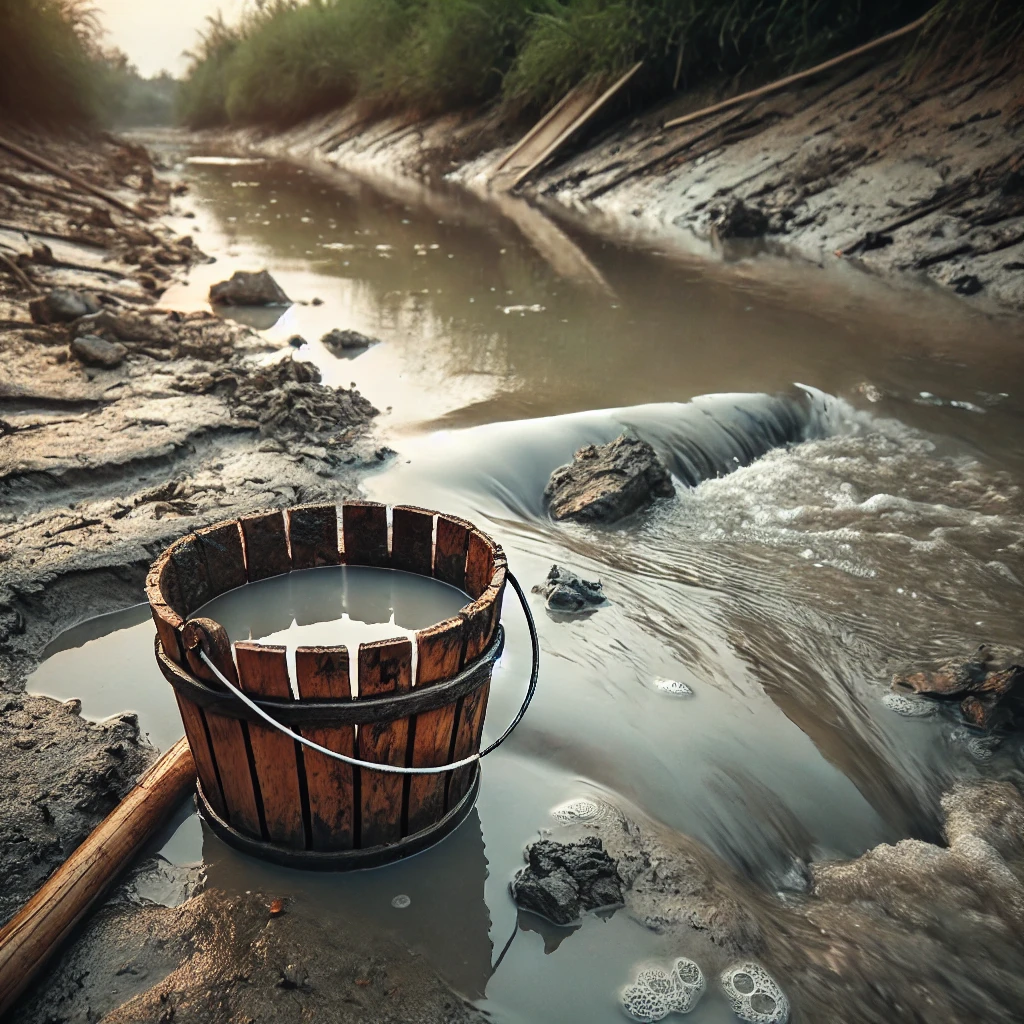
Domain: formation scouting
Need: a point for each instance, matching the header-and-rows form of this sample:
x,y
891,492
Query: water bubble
x,y
401,902
673,687
576,810
754,995
909,707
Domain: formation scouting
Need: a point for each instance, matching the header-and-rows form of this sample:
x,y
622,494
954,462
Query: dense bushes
x,y
48,69
289,58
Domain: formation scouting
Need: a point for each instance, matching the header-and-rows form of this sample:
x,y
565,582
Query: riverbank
x,y
914,178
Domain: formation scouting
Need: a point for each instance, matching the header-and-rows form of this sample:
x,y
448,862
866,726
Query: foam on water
x,y
754,995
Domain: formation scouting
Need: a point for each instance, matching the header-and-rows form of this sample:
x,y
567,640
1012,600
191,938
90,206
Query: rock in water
x,y
62,305
568,593
249,289
606,482
346,341
95,351
564,880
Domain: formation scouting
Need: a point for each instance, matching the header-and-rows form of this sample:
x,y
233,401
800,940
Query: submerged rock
x,y
606,482
568,593
94,351
247,288
62,305
988,694
564,880
346,341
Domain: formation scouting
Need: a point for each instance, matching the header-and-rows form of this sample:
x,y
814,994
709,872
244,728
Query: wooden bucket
x,y
266,793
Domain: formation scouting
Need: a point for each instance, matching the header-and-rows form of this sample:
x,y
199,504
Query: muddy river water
x,y
783,594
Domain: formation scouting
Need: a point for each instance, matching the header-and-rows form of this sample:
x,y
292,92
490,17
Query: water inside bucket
x,y
334,605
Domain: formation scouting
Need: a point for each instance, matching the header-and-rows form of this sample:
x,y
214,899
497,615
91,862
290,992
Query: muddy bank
x,y
919,177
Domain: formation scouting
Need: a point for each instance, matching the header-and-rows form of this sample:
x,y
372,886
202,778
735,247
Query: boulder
x,y
568,593
562,881
737,220
248,288
346,341
94,351
62,305
606,482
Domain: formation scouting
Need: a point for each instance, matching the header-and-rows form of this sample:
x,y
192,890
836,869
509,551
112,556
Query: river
x,y
783,594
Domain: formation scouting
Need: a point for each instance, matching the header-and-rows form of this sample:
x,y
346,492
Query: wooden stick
x,y
34,934
531,134
20,276
30,186
79,182
782,83
580,121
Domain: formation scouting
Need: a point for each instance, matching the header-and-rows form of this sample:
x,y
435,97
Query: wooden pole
x,y
79,182
783,83
33,935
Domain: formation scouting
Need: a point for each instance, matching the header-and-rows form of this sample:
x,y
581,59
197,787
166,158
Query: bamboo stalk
x,y
79,182
33,935
783,83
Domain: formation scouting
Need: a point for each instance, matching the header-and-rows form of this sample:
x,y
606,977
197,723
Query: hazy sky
x,y
155,33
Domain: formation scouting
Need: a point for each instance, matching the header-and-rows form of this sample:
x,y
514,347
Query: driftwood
x,y
33,935
800,76
20,276
69,176
576,124
13,181
26,230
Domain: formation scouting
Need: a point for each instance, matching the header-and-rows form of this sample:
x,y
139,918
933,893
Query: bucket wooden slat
x,y
266,545
167,621
412,539
228,739
480,622
439,656
198,741
385,667
313,531
263,672
364,526
190,572
225,561
479,564
450,550
323,672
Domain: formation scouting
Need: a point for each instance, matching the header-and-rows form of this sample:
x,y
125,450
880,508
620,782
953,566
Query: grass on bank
x,y
288,59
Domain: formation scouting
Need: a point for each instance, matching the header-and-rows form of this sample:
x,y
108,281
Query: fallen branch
x,y
800,76
33,935
69,176
26,230
30,186
19,274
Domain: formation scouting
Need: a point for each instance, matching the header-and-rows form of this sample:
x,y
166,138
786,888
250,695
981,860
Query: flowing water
x,y
849,501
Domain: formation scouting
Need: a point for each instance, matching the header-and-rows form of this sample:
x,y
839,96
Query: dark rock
x,y
296,341
248,288
967,284
95,351
345,341
875,240
605,482
564,880
737,220
62,305
568,593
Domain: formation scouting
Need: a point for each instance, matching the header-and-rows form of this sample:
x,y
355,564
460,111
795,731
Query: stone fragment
x,y
736,219
564,880
606,482
346,341
62,305
247,288
568,593
94,351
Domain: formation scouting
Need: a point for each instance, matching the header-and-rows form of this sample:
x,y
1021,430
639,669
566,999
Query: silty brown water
x,y
782,594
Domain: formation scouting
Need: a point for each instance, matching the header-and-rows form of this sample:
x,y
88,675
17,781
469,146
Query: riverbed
x,y
783,594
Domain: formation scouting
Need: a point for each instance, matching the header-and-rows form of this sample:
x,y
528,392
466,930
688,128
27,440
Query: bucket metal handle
x,y
401,769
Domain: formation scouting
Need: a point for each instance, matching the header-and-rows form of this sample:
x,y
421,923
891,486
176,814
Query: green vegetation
x,y
289,59
48,53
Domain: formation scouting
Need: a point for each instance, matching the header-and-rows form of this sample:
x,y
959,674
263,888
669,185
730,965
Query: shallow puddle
x,y
782,594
